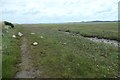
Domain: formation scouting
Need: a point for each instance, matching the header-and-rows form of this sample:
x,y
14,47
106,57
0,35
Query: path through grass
x,y
59,55
62,55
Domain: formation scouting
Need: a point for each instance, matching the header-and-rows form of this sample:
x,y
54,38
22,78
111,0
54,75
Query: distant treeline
x,y
106,21
96,21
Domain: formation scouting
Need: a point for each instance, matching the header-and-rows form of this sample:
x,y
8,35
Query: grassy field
x,y
10,54
0,50
65,56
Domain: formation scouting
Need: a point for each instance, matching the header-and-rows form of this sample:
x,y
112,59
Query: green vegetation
x,y
62,55
0,50
11,54
99,29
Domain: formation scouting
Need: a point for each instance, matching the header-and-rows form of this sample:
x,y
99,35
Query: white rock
x,y
14,36
97,65
35,43
20,34
64,43
104,75
32,33
41,36
7,27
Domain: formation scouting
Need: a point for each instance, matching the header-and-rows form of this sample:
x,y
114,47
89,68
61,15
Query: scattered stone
x,y
7,27
67,32
64,43
32,33
113,42
104,76
20,34
113,69
35,43
14,36
97,66
116,76
41,36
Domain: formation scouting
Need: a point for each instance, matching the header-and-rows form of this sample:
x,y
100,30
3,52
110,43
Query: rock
x,y
64,43
14,36
41,36
104,76
20,34
7,27
32,33
35,43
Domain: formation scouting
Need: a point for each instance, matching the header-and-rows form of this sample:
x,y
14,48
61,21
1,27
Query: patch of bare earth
x,y
26,69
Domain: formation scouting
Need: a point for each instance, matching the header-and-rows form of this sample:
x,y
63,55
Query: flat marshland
x,y
63,51
0,61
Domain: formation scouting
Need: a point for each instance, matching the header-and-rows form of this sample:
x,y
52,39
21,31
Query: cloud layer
x,y
50,11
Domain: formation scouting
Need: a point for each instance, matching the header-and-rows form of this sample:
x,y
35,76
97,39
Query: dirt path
x,y
26,69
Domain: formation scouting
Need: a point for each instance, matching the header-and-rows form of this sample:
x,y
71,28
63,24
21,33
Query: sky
x,y
57,11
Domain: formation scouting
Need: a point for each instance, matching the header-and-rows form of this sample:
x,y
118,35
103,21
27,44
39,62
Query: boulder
x,y
35,43
20,34
14,36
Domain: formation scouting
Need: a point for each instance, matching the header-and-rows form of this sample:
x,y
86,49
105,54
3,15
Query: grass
x,y
59,55
108,30
0,50
79,57
11,54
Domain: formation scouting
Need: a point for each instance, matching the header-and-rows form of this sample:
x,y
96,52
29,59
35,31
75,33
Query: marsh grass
x,y
59,55
79,57
0,50
10,54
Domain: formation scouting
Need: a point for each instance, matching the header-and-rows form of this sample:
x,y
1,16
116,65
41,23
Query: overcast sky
x,y
52,11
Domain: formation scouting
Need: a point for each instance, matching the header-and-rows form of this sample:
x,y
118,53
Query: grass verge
x,y
67,56
10,54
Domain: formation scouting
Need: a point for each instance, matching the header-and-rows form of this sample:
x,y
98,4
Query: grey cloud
x,y
56,11
30,12
9,12
105,10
